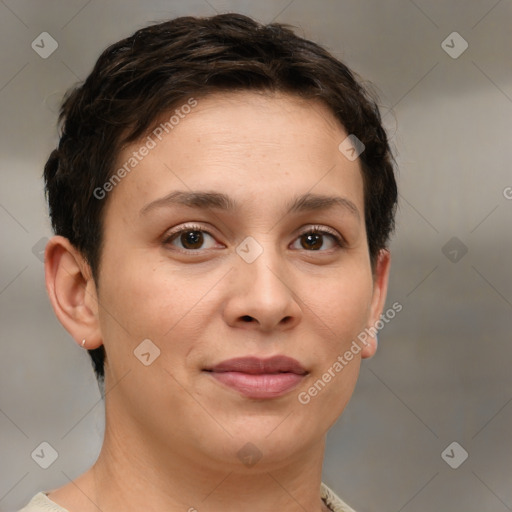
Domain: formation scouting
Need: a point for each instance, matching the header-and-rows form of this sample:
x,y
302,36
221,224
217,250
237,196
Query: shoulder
x,y
41,503
333,501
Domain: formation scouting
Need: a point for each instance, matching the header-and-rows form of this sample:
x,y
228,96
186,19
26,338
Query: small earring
x,y
83,343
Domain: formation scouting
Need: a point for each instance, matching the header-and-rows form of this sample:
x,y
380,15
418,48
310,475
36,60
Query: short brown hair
x,y
138,79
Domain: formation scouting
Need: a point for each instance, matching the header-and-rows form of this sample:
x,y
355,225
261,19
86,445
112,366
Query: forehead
x,y
257,116
250,142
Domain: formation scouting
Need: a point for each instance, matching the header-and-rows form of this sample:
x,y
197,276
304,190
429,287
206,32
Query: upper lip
x,y
259,366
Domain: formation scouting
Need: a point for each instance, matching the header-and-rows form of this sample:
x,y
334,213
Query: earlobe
x,y
72,291
380,289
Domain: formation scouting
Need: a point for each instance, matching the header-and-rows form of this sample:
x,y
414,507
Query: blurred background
x,y
430,423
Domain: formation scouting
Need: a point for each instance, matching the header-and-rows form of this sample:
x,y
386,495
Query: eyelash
x,y
315,229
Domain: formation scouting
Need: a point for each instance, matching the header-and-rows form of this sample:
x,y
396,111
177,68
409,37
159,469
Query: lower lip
x,y
267,385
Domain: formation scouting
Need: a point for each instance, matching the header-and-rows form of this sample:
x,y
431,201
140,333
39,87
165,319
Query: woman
x,y
222,197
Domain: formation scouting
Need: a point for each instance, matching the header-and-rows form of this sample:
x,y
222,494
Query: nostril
x,y
247,318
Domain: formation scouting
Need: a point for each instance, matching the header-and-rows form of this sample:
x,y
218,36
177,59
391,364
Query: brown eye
x,y
314,239
191,238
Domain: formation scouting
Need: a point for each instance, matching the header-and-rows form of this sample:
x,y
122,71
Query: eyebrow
x,y
206,200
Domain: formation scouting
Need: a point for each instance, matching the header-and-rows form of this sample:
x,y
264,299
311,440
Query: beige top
x,y
41,503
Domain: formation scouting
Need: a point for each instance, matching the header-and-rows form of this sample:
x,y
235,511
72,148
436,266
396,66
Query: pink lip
x,y
259,378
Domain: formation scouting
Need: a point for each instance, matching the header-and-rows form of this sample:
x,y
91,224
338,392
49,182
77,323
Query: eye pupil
x,y
312,241
192,238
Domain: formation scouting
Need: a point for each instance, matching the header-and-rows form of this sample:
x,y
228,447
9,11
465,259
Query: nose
x,y
261,295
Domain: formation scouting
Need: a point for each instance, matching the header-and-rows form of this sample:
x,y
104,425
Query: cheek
x,y
139,293
143,301
341,310
342,305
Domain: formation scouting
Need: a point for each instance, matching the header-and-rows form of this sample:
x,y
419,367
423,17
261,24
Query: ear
x,y
380,289
72,291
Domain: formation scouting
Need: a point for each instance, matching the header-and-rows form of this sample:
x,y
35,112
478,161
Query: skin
x,y
172,431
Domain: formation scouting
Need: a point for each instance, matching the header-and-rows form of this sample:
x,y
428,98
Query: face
x,y
237,246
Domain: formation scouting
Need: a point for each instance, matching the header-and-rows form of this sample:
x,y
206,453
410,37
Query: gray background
x,y
442,373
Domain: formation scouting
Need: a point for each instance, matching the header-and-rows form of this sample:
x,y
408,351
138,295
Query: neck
x,y
134,475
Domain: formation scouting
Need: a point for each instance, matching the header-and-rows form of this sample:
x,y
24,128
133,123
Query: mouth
x,y
259,378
